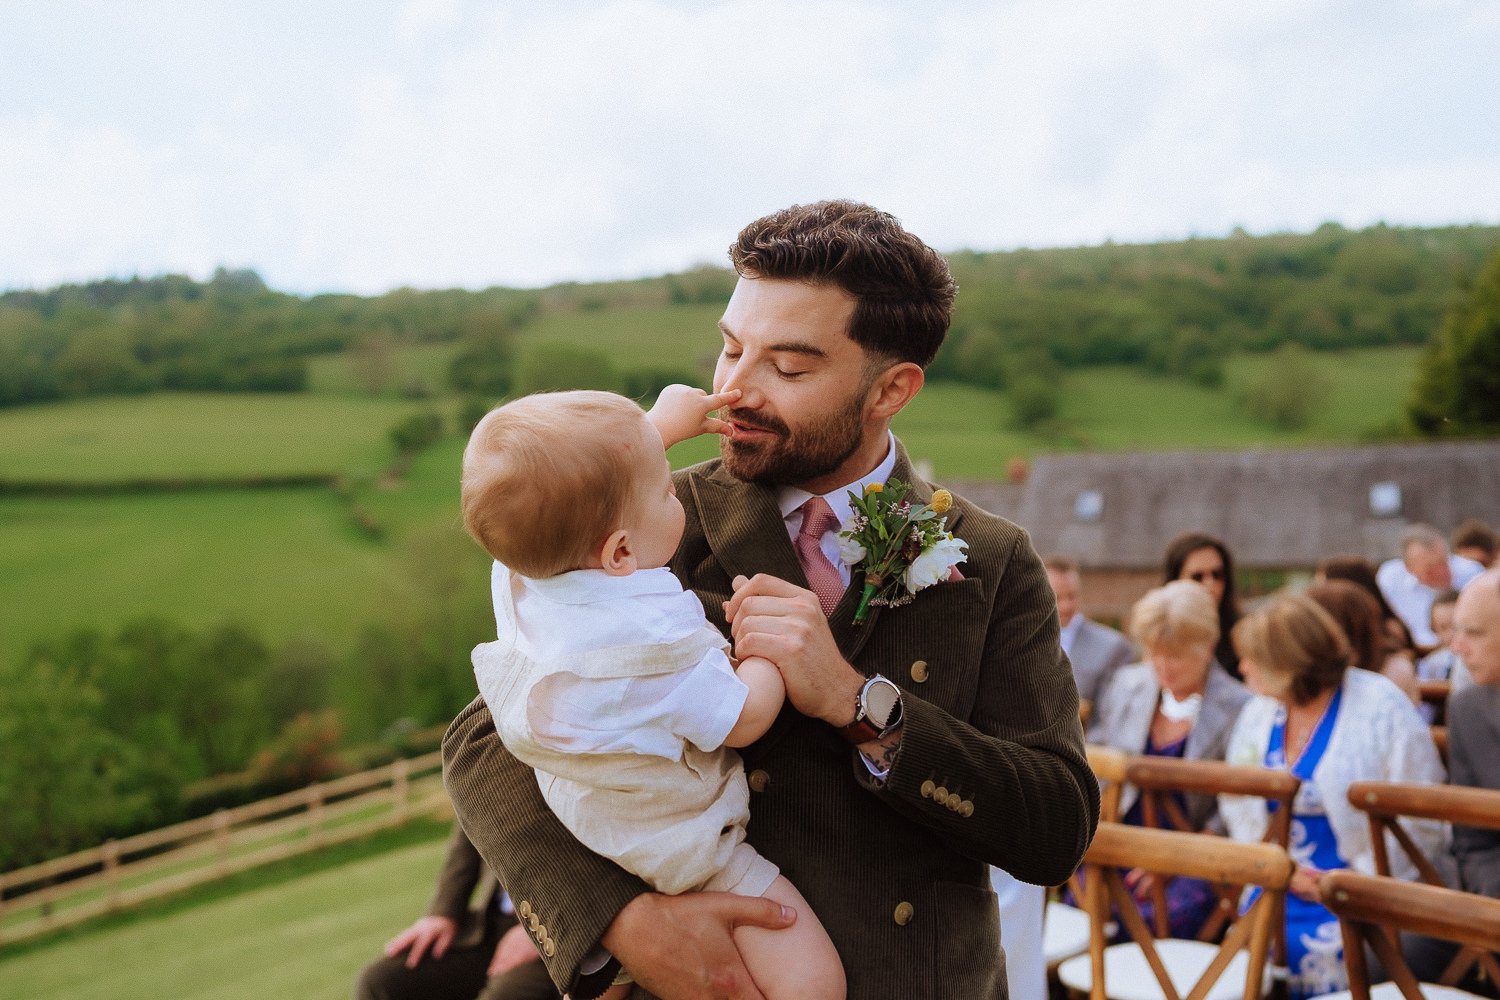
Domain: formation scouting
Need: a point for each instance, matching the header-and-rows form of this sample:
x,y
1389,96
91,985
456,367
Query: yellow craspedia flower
x,y
941,501
874,488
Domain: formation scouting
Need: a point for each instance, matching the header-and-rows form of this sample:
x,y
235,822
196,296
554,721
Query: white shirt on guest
x,y
1411,599
586,610
790,499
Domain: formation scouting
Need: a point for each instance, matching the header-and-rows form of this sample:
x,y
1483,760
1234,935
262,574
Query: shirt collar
x,y
589,586
789,498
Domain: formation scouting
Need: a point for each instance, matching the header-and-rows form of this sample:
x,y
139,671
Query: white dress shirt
x,y
1411,599
1070,632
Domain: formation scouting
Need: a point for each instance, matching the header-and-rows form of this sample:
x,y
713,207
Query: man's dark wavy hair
x,y
903,289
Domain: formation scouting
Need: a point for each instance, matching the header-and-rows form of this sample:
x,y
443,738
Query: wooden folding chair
x,y
1387,802
1435,693
1065,929
1159,778
1195,970
1370,907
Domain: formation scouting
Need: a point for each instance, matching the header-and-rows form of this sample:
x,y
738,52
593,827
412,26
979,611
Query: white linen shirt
x,y
587,610
1411,599
789,500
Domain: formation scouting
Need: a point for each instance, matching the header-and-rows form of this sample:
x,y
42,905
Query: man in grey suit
x,y
1096,651
885,813
1474,725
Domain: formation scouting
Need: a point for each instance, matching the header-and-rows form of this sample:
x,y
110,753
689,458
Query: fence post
x,y
400,787
315,813
221,839
112,873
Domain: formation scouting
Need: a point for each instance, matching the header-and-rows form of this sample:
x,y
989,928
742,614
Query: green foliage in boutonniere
x,y
901,547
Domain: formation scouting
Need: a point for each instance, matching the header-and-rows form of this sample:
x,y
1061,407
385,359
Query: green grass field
x,y
192,434
292,562
306,937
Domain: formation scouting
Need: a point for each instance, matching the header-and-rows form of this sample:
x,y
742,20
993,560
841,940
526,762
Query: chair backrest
x,y
1168,852
1385,802
1160,778
1109,767
1369,906
1435,693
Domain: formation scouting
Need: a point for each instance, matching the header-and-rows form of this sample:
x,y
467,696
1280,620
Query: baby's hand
x,y
682,412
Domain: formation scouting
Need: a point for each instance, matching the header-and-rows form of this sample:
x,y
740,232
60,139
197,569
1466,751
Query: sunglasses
x,y
1211,574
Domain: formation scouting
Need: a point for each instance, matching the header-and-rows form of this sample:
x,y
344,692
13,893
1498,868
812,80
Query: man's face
x,y
1476,628
804,383
1429,564
1441,620
1065,586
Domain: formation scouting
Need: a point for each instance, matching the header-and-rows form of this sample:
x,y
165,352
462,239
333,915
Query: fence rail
x,y
119,874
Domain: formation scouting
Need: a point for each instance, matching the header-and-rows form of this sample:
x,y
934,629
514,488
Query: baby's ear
x,y
616,557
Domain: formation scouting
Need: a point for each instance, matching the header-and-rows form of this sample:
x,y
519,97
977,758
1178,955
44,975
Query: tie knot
x,y
817,518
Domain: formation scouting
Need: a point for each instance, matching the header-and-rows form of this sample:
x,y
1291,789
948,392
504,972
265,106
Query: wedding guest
x,y
1474,726
1207,561
1330,726
456,952
1360,571
1424,568
1477,541
1359,616
1178,703
1095,650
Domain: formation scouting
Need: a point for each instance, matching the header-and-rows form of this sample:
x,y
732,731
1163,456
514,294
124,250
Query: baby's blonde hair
x,y
547,477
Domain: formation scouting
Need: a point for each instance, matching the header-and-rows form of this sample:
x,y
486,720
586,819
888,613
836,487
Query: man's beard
x,y
793,457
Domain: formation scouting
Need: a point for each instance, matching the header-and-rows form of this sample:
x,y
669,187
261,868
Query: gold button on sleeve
x,y
940,794
903,914
953,800
549,949
927,788
758,780
919,671
533,921
524,910
966,808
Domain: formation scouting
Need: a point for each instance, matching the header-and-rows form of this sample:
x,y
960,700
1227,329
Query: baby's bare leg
x,y
798,963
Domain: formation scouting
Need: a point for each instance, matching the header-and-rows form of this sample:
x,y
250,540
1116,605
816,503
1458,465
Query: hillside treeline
x,y
1180,308
1174,308
109,734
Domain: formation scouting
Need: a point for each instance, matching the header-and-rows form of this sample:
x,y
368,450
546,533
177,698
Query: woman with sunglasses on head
x,y
1207,561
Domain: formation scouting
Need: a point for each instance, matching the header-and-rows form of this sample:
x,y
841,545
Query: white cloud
x,y
471,146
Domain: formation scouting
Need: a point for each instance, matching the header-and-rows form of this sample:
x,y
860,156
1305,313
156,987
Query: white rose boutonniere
x,y
899,546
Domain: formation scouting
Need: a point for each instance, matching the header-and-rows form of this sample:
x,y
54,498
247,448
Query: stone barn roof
x,y
1276,509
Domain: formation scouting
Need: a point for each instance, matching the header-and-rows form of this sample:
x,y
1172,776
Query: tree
x,y
556,367
1457,386
1290,393
371,362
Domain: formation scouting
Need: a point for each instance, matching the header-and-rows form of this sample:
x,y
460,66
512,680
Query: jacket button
x,y
524,910
927,788
953,801
758,780
533,921
940,794
903,914
966,808
548,948
919,671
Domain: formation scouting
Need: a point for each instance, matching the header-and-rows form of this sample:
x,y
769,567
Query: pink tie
x,y
817,520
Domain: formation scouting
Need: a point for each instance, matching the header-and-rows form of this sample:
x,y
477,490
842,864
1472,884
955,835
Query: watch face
x,y
880,702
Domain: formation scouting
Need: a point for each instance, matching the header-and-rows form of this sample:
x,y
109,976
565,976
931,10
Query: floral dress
x,y
1315,953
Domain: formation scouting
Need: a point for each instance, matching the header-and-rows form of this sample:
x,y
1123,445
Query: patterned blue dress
x,y
1315,951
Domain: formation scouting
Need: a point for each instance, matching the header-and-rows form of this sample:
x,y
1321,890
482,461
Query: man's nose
x,y
739,377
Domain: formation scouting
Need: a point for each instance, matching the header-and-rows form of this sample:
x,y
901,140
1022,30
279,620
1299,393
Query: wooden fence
x,y
122,873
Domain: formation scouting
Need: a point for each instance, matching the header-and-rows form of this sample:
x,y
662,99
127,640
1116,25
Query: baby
x,y
606,676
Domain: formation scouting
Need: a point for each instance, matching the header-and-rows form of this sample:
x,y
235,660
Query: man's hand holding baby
x,y
683,412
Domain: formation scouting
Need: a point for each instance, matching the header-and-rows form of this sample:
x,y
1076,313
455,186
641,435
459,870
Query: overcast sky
x,y
438,143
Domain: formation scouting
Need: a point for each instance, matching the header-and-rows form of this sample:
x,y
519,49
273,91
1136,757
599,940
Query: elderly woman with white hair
x,y
1177,703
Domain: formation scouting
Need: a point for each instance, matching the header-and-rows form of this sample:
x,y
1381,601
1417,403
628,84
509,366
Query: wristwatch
x,y
877,711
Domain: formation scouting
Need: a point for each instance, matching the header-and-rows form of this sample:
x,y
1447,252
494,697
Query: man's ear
x,y
616,557
894,388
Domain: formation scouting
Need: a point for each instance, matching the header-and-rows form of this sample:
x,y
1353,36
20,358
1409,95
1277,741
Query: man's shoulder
x,y
1475,706
1390,572
978,526
1102,631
